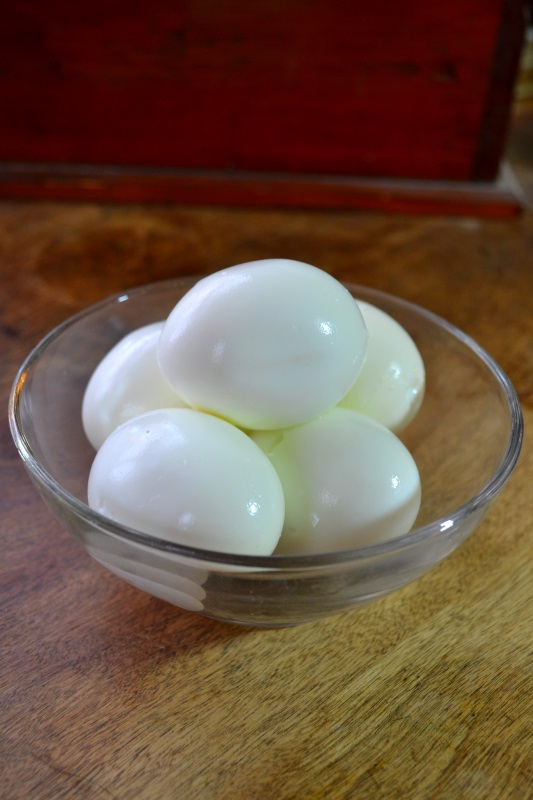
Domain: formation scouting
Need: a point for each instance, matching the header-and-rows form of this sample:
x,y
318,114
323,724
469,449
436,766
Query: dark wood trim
x,y
500,198
500,87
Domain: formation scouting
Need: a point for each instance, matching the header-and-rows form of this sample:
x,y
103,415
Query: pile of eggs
x,y
261,416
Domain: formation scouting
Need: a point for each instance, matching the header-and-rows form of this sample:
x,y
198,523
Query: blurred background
x,y
301,104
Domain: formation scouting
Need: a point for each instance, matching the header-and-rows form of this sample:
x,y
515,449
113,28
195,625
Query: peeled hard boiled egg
x,y
267,344
189,478
127,382
348,482
390,386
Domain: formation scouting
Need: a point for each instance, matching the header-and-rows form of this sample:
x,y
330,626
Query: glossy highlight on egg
x,y
189,478
390,386
348,481
266,344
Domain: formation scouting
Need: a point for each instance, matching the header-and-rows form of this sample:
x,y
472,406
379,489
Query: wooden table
x,y
109,693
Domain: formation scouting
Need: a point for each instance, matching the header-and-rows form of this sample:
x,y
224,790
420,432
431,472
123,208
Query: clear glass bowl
x,y
465,439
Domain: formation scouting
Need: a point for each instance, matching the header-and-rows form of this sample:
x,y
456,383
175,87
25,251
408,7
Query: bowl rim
x,y
442,526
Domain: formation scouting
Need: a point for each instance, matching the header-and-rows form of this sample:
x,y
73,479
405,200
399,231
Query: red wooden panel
x,y
411,89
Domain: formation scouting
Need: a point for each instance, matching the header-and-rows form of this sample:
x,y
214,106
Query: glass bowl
x,y
465,440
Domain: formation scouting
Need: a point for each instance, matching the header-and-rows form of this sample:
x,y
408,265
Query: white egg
x,y
191,478
267,344
348,482
126,383
390,386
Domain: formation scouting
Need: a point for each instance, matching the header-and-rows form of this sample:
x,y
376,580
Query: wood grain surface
x,y
108,693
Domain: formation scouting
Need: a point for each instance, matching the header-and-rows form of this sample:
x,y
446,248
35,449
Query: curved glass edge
x,y
442,526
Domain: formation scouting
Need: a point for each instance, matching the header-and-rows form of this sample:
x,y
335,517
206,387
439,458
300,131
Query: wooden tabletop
x,y
109,693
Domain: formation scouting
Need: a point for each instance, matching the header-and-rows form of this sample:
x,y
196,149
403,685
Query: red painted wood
x,y
289,86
